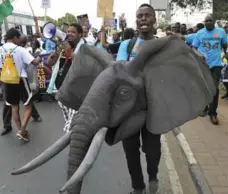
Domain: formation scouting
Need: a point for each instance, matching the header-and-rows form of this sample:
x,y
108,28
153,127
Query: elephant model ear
x,y
178,85
89,62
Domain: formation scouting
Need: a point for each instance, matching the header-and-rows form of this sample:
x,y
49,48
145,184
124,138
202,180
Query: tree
x,y
220,7
68,18
185,3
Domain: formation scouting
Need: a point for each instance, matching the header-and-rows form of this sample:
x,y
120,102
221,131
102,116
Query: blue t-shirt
x,y
209,44
122,53
99,46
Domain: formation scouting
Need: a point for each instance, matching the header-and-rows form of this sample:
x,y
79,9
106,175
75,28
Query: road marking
x,y
173,176
186,148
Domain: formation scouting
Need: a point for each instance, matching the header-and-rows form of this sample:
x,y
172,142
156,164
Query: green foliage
x,y
220,9
68,18
185,3
163,25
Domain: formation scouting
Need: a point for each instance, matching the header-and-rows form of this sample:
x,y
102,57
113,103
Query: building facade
x,y
23,21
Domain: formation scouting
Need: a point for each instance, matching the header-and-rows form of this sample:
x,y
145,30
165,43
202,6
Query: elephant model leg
x,y
131,147
152,149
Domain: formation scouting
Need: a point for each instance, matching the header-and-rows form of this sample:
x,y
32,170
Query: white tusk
x,y
48,154
88,161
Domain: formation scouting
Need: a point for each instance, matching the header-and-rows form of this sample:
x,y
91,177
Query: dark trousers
x,y
152,149
7,115
216,75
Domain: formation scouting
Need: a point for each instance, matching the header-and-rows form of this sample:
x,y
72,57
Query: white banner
x,y
45,4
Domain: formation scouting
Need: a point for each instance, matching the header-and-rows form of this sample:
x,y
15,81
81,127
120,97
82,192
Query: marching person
x,y
209,42
145,20
14,93
63,62
7,110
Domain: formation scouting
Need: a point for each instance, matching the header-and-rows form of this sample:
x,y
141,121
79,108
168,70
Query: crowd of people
x,y
205,38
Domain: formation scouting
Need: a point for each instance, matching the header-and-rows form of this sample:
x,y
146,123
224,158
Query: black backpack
x,y
130,47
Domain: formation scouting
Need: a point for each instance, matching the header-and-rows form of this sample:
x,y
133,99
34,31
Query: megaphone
x,y
50,31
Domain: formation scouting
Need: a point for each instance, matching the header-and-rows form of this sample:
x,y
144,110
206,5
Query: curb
x,y
194,168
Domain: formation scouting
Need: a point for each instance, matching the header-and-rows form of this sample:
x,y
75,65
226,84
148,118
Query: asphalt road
x,y
108,176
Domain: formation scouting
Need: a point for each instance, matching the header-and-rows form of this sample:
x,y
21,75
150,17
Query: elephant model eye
x,y
124,92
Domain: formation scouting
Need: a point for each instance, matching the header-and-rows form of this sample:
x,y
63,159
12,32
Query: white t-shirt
x,y
21,57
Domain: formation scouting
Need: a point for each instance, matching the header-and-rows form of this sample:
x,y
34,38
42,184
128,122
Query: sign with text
x,y
45,4
105,8
41,77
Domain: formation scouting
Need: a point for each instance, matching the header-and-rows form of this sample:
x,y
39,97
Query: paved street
x,y
210,146
108,176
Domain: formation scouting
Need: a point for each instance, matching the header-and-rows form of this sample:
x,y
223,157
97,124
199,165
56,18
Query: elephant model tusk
x,y
88,161
48,154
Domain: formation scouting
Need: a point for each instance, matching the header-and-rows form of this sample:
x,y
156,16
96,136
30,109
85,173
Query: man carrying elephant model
x,y
145,20
116,99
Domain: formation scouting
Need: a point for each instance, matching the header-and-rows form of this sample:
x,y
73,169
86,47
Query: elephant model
x,y
166,85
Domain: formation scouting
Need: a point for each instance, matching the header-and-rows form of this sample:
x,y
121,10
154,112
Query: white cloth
x,y
21,57
68,114
90,40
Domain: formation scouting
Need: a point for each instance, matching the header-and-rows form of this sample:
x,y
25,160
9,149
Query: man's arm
x,y
27,58
224,43
52,59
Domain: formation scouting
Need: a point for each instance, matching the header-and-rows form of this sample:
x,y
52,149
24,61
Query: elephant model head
x,y
166,85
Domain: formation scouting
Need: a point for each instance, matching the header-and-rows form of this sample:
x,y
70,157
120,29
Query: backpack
x,y
9,74
130,47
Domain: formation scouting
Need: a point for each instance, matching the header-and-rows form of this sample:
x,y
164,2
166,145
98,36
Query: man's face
x,y
73,34
209,22
23,41
85,31
183,28
226,29
177,28
17,40
145,19
136,33
115,37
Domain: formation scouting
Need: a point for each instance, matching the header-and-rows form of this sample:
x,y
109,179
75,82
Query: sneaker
x,y
214,120
153,187
138,192
23,135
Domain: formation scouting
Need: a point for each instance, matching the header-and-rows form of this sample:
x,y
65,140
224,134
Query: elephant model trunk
x,y
83,151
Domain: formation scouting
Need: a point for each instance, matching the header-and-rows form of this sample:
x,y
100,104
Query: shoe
x,y
23,135
153,187
6,131
214,120
138,192
38,119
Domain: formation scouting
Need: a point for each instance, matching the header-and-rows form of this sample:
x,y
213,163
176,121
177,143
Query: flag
x,y
6,9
